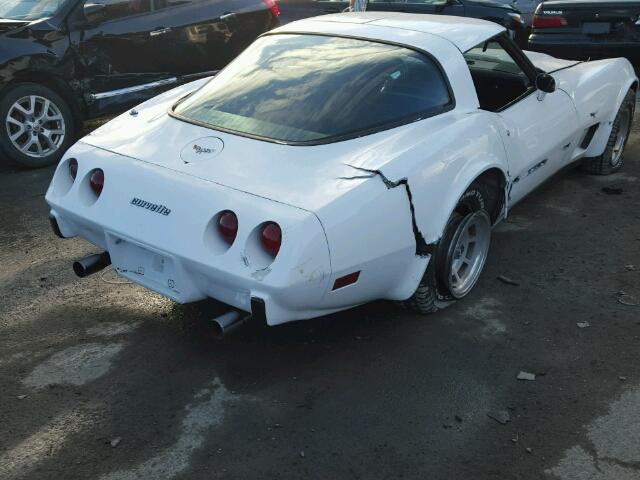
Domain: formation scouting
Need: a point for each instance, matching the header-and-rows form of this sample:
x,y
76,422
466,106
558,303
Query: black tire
x,y
602,164
15,93
432,294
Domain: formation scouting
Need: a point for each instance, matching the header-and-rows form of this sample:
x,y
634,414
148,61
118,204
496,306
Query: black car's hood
x,y
490,3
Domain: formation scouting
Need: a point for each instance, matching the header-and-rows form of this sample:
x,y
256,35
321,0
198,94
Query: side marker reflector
x,y
346,280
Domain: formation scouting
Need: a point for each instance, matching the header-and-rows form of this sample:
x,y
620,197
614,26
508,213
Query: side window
x,y
160,4
498,78
106,10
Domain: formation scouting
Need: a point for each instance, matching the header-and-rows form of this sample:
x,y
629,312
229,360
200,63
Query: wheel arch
x,y
496,178
55,83
600,139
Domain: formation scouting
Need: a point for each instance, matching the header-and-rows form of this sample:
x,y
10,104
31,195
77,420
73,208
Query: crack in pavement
x,y
615,438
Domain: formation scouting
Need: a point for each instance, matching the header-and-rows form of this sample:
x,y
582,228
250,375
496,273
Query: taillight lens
x,y
96,181
273,6
228,226
540,21
73,168
271,238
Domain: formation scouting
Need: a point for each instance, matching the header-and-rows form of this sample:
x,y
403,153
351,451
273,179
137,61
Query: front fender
x,y
597,89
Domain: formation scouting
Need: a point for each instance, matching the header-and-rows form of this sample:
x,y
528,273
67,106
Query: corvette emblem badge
x,y
201,149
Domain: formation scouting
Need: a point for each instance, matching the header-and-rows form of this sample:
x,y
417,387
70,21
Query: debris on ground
x,y
583,324
626,299
507,280
612,190
526,376
115,442
21,397
500,416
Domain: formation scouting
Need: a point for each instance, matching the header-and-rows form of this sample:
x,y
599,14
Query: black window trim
x,y
520,59
406,120
83,23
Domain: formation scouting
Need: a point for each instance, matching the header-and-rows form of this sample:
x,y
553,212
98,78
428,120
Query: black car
x,y
587,29
64,61
503,13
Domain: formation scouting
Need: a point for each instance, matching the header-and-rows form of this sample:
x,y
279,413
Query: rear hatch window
x,y
304,89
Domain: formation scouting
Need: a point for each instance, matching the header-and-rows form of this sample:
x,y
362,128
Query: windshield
x,y
306,88
28,10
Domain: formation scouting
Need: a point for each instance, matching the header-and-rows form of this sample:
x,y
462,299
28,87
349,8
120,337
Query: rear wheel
x,y
37,125
456,265
612,159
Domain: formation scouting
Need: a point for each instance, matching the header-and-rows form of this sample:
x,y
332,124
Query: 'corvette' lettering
x,y
153,207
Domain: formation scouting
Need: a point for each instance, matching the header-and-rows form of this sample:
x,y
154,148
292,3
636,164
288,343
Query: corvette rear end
x,y
189,239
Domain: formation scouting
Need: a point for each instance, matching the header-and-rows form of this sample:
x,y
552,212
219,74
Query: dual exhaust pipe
x,y
229,322
222,325
91,264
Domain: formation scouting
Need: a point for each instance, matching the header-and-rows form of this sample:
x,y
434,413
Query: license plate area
x,y
147,267
596,28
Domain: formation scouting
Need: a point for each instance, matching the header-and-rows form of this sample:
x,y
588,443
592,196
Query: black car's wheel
x,y
37,125
461,254
612,159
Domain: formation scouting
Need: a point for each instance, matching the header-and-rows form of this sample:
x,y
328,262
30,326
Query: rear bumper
x,y
580,47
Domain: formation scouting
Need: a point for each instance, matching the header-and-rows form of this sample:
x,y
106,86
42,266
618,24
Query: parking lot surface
x,y
101,379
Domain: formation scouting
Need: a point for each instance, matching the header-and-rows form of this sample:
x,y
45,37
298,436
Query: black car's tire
x,y
612,158
37,125
435,290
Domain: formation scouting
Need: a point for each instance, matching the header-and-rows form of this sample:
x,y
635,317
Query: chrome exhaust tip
x,y
229,322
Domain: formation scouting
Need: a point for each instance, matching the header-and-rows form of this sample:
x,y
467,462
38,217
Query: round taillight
x,y
96,181
73,168
271,238
228,226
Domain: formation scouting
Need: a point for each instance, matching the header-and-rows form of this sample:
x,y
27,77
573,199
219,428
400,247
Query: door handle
x,y
227,16
161,31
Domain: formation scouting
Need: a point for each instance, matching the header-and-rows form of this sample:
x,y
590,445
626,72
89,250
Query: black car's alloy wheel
x,y
37,125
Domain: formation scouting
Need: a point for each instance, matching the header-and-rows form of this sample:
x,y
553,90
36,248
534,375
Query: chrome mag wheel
x,y
468,252
35,126
621,137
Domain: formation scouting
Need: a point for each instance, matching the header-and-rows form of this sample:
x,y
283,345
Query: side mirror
x,y
92,11
545,83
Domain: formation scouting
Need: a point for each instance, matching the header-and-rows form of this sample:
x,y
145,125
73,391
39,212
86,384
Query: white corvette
x,y
338,160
